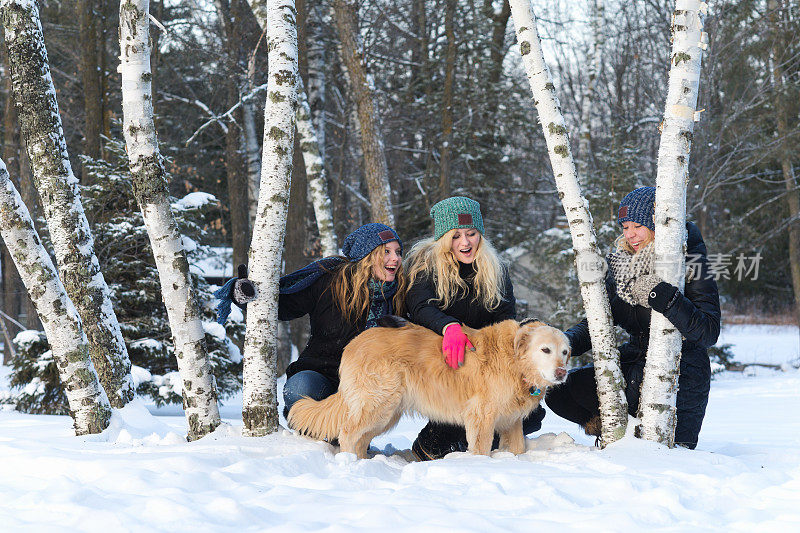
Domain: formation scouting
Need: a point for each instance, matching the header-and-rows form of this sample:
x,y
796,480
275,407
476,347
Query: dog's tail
x,y
319,419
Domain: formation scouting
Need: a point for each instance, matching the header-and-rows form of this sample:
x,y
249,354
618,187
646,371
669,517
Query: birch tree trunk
x,y
315,173
311,143
150,189
72,240
317,57
252,157
590,264
259,401
587,102
376,171
88,404
660,384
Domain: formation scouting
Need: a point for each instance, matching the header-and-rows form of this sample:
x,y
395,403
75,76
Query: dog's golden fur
x,y
386,372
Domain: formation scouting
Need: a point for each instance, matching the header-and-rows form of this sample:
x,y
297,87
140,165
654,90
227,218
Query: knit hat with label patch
x,y
362,241
456,212
638,206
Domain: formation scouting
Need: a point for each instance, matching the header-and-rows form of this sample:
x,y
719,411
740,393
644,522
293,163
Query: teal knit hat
x,y
456,212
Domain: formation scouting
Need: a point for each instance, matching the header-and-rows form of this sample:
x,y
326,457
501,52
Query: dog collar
x,y
535,391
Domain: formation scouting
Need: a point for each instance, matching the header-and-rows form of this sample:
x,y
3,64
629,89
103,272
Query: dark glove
x,y
244,290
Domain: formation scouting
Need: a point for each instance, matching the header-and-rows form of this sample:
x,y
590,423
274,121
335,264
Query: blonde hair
x,y
350,286
622,244
435,259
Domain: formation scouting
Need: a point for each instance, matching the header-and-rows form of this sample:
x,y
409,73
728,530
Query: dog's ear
x,y
521,339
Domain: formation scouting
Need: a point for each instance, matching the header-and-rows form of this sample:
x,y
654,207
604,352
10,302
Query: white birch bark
x,y
88,403
318,20
660,383
252,153
150,189
587,102
259,401
72,240
315,173
590,264
311,143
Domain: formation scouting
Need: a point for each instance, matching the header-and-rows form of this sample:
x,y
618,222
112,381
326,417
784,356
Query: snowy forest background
x,y
456,118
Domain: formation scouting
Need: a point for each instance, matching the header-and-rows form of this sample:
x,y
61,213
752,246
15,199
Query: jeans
x,y
305,383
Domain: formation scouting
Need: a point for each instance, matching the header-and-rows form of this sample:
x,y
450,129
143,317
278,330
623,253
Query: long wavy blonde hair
x,y
350,286
435,259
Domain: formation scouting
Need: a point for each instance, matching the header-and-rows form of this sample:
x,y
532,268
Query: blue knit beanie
x,y
362,241
456,212
638,206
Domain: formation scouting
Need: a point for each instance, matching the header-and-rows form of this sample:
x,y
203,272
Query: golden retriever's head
x,y
543,351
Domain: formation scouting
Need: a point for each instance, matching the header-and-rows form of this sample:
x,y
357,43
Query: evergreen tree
x,y
126,260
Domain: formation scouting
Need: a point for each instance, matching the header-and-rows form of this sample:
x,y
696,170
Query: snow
x,y
194,200
141,475
217,264
27,336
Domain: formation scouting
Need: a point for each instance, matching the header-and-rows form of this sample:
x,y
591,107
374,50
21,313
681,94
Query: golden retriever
x,y
386,372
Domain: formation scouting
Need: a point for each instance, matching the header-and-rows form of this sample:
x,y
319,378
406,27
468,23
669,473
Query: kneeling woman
x,y
343,296
456,278
633,291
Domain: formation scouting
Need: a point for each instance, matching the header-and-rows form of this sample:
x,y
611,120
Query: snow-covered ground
x,y
140,475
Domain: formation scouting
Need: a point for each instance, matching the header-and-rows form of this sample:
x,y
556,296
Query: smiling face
x,y
638,236
386,261
464,244
544,351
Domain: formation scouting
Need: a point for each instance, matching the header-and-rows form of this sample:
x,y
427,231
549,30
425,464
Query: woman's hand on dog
x,y
454,345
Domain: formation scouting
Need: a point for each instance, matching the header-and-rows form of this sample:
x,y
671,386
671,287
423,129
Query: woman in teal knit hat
x,y
457,278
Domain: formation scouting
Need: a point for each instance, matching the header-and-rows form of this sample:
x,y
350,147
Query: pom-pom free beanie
x,y
638,206
456,212
362,241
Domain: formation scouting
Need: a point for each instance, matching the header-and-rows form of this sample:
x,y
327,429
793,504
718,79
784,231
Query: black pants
x,y
576,399
439,439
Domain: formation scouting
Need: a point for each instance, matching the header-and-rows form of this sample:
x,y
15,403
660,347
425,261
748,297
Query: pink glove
x,y
453,345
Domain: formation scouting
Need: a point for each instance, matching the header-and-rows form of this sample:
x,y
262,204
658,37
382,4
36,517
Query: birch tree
x,y
362,87
315,172
79,268
590,264
150,188
660,384
259,401
88,404
311,144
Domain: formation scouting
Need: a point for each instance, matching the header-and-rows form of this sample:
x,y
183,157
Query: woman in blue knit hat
x,y
343,296
634,289
457,278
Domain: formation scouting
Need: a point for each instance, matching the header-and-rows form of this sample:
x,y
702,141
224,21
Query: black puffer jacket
x,y
695,313
425,311
330,332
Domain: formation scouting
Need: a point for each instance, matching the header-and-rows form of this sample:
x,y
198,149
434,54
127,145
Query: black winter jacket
x,y
423,309
695,313
330,332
